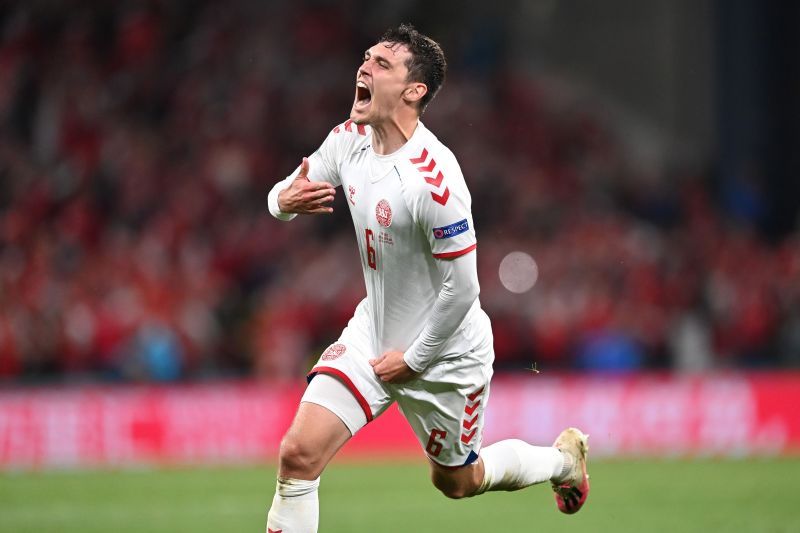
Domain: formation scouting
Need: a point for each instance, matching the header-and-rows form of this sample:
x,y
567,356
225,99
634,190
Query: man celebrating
x,y
420,337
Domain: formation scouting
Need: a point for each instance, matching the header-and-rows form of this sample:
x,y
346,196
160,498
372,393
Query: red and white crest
x,y
334,351
351,194
383,212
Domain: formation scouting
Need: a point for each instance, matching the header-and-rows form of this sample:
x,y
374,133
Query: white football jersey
x,y
408,209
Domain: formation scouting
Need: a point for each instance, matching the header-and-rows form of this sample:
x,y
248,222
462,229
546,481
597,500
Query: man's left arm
x,y
459,291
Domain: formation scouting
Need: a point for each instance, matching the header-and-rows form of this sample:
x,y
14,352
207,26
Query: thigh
x,y
329,392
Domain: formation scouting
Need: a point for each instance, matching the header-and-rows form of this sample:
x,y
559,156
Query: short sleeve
x,y
442,207
322,164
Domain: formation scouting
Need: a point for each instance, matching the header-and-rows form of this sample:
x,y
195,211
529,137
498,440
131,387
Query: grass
x,y
674,495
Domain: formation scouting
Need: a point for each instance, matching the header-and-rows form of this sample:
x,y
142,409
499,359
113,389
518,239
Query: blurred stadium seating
x,y
138,141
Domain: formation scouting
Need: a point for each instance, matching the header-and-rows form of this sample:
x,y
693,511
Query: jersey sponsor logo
x,y
434,177
351,194
383,212
334,351
456,228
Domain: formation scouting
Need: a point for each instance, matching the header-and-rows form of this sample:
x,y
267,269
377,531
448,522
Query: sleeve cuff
x,y
412,362
453,255
272,204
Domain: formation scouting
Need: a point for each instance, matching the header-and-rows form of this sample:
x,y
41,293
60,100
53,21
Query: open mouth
x,y
363,94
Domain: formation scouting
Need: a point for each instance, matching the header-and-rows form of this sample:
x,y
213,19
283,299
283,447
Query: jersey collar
x,y
386,163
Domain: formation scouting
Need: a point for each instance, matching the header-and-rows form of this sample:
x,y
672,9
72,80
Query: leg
x,y
446,412
506,465
513,464
343,395
316,434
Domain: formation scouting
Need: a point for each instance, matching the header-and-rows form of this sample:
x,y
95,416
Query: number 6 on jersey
x,y
370,236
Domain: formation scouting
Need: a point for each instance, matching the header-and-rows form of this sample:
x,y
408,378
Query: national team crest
x,y
334,351
351,194
383,212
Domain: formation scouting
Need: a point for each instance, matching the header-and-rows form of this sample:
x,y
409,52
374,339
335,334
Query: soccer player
x,y
420,337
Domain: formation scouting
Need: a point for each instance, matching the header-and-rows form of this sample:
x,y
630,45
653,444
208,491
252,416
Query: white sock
x,y
514,464
295,507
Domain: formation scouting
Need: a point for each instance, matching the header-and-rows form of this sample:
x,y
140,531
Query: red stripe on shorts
x,y
347,382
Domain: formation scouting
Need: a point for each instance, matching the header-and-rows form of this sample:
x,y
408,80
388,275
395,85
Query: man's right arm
x,y
299,195
310,189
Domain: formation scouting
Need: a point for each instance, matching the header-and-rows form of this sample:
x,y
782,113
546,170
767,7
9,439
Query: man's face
x,y
380,83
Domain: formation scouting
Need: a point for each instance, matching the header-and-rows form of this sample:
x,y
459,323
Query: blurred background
x,y
644,154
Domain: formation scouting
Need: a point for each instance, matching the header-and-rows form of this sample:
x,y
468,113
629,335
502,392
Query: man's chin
x,y
361,114
359,117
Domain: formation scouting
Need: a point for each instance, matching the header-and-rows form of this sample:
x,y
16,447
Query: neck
x,y
388,137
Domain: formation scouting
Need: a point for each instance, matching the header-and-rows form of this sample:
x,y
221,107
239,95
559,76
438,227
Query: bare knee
x,y
457,484
454,492
299,460
315,435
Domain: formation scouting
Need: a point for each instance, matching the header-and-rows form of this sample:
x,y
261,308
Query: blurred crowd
x,y
138,141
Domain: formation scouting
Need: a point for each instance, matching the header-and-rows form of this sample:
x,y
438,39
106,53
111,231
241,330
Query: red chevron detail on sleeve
x,y
442,199
337,129
475,394
277,530
471,408
437,181
467,424
348,125
428,168
466,437
361,129
421,159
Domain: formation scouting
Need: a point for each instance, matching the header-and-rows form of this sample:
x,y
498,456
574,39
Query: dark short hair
x,y
427,63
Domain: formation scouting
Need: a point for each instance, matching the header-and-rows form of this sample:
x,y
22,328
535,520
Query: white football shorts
x,y
444,405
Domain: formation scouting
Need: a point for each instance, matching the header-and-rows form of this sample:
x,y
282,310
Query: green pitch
x,y
674,496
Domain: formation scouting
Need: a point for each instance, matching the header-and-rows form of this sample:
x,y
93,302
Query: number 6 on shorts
x,y
434,448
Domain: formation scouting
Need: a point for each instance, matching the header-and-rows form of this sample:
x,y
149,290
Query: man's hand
x,y
392,368
306,197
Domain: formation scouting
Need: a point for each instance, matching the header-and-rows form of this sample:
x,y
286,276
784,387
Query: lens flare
x,y
518,272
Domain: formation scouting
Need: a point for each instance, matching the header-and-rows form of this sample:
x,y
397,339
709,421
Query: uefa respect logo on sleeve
x,y
456,228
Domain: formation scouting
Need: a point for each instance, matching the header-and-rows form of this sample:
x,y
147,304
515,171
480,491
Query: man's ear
x,y
414,93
